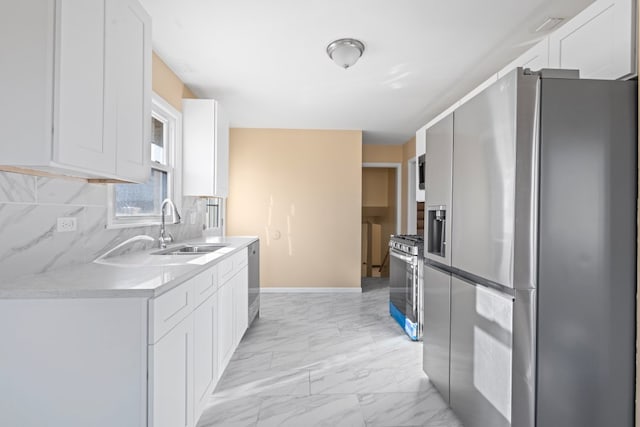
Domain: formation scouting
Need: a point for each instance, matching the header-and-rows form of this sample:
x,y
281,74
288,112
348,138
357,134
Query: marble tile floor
x,y
326,360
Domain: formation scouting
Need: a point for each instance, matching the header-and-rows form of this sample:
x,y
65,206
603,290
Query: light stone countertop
x,y
137,274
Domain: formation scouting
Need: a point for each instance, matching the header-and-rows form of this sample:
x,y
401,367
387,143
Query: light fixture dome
x,y
345,52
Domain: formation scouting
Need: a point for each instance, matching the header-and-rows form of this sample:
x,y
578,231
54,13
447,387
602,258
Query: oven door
x,y
401,282
411,291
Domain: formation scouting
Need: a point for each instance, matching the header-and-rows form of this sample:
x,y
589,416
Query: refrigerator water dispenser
x,y
436,221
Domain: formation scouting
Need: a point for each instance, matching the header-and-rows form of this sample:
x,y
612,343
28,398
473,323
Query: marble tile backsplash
x,y
30,207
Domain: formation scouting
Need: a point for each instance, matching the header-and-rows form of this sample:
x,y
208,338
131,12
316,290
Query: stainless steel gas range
x,y
405,294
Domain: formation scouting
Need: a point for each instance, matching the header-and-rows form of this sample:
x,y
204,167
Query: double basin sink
x,y
191,249
148,259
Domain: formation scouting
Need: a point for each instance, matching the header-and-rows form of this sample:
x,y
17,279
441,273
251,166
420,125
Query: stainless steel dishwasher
x,y
254,281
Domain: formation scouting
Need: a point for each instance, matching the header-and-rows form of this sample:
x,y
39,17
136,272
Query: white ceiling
x,y
265,61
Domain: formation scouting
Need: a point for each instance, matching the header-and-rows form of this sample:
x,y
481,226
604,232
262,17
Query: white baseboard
x,y
309,290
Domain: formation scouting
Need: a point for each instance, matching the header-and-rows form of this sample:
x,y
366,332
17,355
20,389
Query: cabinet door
x,y
79,87
205,348
27,85
481,355
240,304
206,148
225,325
171,382
128,88
535,59
221,172
600,41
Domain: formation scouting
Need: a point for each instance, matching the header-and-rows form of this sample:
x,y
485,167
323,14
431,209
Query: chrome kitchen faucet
x,y
167,237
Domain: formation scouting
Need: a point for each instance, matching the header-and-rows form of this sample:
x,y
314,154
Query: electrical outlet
x,y
67,224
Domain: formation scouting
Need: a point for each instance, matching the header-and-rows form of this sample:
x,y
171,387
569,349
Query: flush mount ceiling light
x,y
345,52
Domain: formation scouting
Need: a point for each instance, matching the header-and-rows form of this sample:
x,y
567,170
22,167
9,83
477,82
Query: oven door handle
x,y
406,258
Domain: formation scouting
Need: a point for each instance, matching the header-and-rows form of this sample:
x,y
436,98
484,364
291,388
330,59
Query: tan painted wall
x,y
375,191
300,192
381,153
408,153
167,84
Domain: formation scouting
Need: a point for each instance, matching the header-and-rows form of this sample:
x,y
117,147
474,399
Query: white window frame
x,y
221,227
172,118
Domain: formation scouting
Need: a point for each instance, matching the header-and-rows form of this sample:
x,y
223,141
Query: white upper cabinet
x,y
205,149
79,88
600,41
130,75
79,108
535,59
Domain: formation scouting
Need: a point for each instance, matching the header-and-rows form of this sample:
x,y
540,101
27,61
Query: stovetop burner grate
x,y
408,243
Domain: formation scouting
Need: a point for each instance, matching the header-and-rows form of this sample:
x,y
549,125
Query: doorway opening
x,y
380,217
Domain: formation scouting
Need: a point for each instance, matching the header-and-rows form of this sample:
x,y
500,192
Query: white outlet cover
x,y
67,224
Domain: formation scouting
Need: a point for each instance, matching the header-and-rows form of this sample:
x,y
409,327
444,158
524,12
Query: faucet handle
x,y
164,239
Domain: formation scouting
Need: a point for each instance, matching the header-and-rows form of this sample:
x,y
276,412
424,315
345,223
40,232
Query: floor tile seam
x,y
281,372
394,392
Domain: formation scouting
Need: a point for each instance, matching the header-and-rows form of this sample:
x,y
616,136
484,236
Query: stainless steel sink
x,y
190,249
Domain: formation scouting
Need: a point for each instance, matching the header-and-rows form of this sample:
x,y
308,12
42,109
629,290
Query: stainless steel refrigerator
x,y
530,253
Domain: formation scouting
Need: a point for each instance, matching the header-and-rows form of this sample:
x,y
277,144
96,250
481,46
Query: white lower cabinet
x,y
73,362
126,362
205,357
171,381
186,362
240,304
225,326
233,305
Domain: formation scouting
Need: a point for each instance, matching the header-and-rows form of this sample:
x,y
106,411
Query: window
x,y
139,204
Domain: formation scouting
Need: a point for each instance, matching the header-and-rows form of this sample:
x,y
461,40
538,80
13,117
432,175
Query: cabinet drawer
x,y
241,259
205,284
225,269
228,267
167,310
